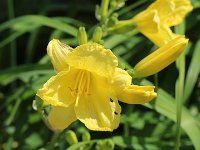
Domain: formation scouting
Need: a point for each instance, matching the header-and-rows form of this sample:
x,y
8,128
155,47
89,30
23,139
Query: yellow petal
x,y
148,21
58,52
98,110
171,12
167,13
182,7
134,94
161,58
94,58
163,7
56,91
162,37
149,25
60,118
121,79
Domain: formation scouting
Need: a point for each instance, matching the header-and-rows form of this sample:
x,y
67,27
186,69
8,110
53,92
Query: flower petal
x,y
58,52
56,91
135,94
171,12
94,58
98,110
148,21
61,117
121,79
162,37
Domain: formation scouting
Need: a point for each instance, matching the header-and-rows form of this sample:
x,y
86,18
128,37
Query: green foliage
x,y
24,67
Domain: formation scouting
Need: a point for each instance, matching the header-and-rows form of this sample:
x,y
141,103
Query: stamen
x,y
77,81
88,83
82,83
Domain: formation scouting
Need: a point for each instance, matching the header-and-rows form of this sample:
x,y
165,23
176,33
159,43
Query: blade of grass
x,y
192,73
13,50
30,20
28,23
23,72
31,45
11,38
13,112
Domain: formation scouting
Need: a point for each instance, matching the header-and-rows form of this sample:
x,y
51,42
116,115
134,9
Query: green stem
x,y
16,106
156,80
126,129
180,63
14,111
104,10
129,110
179,98
53,141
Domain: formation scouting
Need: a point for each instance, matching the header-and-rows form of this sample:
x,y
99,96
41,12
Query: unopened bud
x,y
82,36
97,35
86,136
58,52
71,137
161,58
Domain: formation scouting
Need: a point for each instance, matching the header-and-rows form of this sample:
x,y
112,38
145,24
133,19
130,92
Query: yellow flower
x,y
87,87
156,20
161,58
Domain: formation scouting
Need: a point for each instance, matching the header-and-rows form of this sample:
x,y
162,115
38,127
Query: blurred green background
x,y
26,27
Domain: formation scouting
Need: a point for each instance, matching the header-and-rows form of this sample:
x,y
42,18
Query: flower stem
x,y
53,141
156,80
126,129
180,63
129,110
104,10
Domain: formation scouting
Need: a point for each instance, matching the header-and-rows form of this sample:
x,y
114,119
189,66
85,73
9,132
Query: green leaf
x,y
38,20
165,105
24,72
193,72
28,23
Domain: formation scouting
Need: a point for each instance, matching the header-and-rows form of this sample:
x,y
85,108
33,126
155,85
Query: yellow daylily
x,y
171,12
87,87
160,58
156,20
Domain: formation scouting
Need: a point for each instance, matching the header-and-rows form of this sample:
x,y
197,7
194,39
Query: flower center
x,y
82,83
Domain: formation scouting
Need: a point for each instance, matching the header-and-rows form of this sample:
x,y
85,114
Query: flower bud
x,y
86,136
71,137
161,58
97,35
57,52
82,36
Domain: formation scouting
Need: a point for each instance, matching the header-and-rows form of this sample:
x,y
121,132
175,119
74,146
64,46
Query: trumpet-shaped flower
x,y
87,87
156,20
